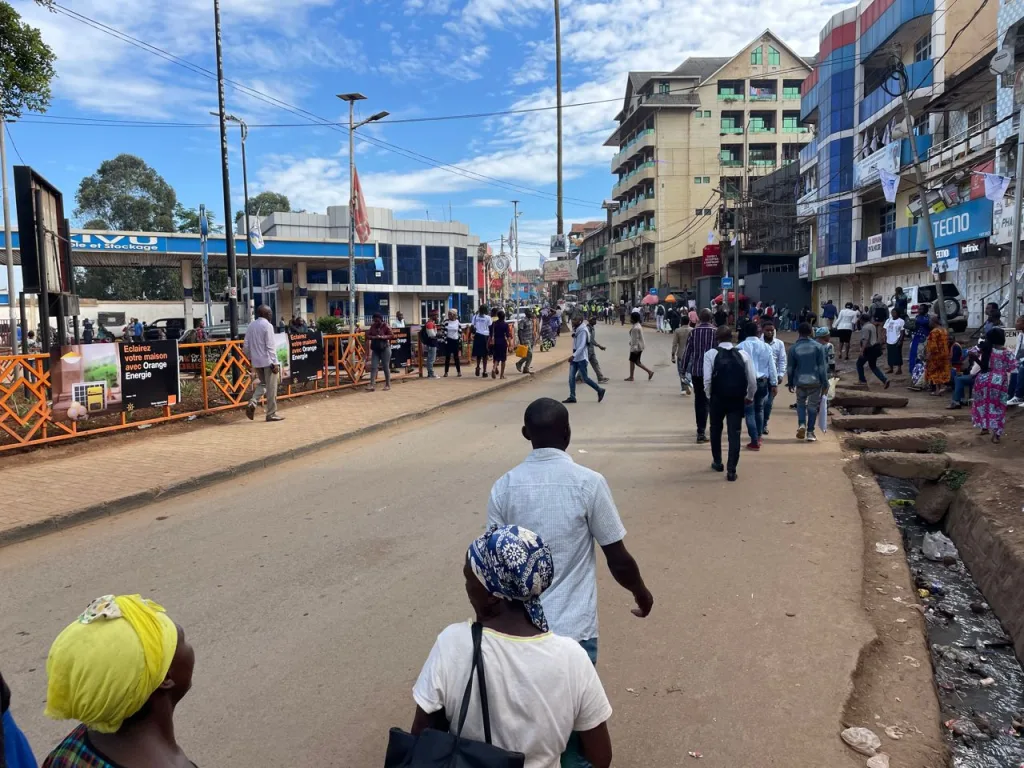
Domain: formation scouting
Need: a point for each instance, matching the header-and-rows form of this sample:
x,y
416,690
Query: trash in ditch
x,y
862,740
144,426
937,546
193,417
885,548
916,665
901,503
894,732
878,761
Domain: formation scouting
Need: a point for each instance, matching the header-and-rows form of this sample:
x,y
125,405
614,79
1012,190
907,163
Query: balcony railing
x,y
621,184
762,129
730,97
630,146
791,95
730,162
977,138
763,162
795,129
731,129
764,97
919,75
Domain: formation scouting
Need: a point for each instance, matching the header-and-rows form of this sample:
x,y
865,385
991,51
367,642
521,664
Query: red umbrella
x,y
732,298
650,298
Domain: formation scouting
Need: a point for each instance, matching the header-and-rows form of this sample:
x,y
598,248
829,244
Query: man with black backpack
x,y
730,384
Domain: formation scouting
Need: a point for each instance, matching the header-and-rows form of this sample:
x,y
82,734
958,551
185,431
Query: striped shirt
x,y
702,338
570,507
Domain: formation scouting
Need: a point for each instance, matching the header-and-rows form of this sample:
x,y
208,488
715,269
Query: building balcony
x,y
641,206
730,162
644,172
762,129
643,139
919,75
795,129
728,97
764,162
962,149
764,97
731,129
791,95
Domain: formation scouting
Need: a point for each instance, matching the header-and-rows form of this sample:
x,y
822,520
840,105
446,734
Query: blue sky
x,y
414,58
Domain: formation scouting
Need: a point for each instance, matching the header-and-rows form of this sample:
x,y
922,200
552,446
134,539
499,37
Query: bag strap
x,y
478,667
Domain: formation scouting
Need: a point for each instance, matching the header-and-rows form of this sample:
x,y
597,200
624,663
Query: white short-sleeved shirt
x,y
539,690
482,324
893,329
570,507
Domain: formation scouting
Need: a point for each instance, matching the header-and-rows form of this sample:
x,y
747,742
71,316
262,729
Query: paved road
x,y
313,592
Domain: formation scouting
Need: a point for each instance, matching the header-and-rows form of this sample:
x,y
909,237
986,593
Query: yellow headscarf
x,y
106,664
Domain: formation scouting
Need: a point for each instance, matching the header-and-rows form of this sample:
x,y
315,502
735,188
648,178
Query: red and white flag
x,y
359,209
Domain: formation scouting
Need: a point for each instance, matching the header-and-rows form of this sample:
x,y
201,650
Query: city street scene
x,y
530,385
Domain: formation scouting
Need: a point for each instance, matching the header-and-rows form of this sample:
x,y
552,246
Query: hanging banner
x,y
890,184
711,260
803,266
149,374
978,178
306,356
865,171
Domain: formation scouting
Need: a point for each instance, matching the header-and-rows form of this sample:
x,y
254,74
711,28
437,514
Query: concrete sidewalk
x,y
63,486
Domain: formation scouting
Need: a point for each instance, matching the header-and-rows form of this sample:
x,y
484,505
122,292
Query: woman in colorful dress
x,y
936,370
920,329
988,403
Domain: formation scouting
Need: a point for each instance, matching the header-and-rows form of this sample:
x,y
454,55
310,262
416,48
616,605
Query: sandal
x,y
650,375
629,379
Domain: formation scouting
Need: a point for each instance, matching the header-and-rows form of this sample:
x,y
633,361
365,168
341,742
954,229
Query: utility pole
x,y
515,248
926,214
1015,247
8,246
229,240
244,130
736,267
558,110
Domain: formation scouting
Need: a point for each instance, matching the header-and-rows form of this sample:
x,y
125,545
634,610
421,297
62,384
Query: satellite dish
x,y
1001,62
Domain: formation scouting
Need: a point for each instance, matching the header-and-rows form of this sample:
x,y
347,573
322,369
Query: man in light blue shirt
x,y
778,349
766,371
578,361
261,350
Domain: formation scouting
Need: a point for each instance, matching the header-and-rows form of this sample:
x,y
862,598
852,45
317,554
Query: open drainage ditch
x,y
979,680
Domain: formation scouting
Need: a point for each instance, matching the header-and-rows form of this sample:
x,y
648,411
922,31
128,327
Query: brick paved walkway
x,y
114,475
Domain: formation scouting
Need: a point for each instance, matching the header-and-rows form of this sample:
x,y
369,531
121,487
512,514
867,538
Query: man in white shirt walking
x,y
578,361
262,353
767,375
778,348
730,385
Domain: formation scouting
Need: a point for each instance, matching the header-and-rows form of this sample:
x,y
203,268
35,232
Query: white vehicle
x,y
955,303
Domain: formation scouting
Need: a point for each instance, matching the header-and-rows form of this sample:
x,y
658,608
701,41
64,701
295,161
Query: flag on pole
x,y
204,223
359,209
255,233
887,134
890,183
733,241
711,237
512,235
995,186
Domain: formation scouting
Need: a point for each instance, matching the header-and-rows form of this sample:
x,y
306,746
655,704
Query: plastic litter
x,y
862,740
885,548
878,761
695,754
937,546
894,732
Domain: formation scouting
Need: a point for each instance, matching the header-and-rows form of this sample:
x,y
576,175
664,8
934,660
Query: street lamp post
x,y
352,98
244,130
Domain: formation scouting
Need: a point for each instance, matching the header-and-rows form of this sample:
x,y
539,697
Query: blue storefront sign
x,y
968,221
947,257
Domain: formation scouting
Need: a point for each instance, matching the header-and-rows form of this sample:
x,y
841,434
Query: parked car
x,y
221,331
173,328
953,300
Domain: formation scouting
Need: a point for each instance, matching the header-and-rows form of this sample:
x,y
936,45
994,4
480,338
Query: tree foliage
x,y
266,203
187,220
127,194
26,66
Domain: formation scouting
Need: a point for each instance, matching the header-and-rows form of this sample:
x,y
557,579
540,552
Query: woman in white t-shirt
x,y
452,342
541,687
844,326
481,335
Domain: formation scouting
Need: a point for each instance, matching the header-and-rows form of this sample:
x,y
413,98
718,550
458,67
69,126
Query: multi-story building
x,y
769,222
712,123
413,266
594,260
862,244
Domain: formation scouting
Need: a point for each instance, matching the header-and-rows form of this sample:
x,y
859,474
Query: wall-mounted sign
x,y
967,221
804,266
874,247
947,259
711,260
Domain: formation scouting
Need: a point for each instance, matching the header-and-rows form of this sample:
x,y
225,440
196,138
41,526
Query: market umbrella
x,y
650,298
670,299
732,297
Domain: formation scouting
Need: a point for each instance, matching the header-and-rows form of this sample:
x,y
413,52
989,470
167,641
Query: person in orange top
x,y
936,371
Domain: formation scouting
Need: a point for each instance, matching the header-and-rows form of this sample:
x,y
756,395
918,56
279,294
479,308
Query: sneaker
x,y
811,438
764,431
1014,401
275,417
718,467
801,433
600,395
701,437
731,477
569,400
250,411
753,447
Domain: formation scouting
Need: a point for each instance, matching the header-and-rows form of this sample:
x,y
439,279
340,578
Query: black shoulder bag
x,y
438,749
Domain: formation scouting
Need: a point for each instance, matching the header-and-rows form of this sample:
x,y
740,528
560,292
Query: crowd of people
x,y
120,668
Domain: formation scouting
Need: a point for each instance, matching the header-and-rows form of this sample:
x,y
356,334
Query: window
x,y
696,180
774,59
791,91
923,48
707,179
728,123
437,265
663,87
755,56
461,267
887,217
702,113
790,124
700,212
410,268
757,124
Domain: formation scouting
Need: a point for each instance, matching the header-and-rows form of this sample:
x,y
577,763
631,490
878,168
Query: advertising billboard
x,y
149,374
306,352
561,271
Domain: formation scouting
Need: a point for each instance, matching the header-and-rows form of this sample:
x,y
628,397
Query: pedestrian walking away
x,y
988,402
481,337
822,336
636,348
261,349
829,313
452,342
525,333
730,383
937,360
379,336
578,361
778,349
870,350
673,318
701,339
571,508
119,669
767,377
844,325
894,335
679,338
807,375
501,337
429,341
592,347
507,572
622,312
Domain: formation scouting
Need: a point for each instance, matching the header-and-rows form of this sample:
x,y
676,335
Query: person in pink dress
x,y
988,403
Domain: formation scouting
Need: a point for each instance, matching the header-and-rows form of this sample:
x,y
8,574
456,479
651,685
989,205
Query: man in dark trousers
x,y
730,383
702,338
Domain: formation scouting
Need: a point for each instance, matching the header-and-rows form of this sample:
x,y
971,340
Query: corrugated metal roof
x,y
701,66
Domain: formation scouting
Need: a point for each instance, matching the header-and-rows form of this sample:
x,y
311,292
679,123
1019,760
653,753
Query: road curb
x,y
65,520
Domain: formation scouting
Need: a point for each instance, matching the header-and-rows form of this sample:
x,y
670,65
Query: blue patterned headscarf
x,y
513,563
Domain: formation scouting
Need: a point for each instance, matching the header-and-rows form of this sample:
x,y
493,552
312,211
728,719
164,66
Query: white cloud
x,y
488,202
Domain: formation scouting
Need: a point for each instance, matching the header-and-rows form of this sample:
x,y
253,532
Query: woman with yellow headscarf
x,y
119,669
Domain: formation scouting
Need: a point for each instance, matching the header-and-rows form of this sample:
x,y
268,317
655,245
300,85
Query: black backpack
x,y
729,375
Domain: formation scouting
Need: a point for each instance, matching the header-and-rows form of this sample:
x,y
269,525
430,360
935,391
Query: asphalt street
x,y
312,592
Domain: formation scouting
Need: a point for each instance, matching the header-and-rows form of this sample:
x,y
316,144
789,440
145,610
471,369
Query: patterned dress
x,y
937,348
77,751
988,404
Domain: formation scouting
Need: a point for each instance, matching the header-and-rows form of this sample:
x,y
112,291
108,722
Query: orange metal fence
x,y
216,378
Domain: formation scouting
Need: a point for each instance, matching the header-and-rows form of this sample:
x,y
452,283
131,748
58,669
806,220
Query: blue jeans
x,y
769,400
580,368
807,401
572,757
429,363
754,412
960,384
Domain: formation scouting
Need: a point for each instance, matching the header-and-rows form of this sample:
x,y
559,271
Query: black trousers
x,y
700,404
452,349
731,412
